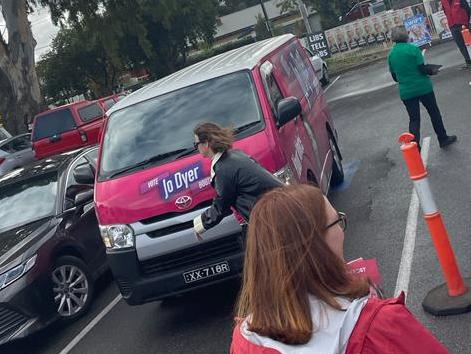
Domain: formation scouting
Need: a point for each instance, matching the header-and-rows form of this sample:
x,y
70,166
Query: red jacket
x,y
455,12
384,326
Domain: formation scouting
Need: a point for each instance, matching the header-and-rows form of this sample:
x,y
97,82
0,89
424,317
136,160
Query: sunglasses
x,y
196,144
342,221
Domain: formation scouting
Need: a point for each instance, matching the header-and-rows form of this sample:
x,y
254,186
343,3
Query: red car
x,y
67,128
109,101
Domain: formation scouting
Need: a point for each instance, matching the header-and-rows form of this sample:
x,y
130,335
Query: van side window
x,y
90,112
271,87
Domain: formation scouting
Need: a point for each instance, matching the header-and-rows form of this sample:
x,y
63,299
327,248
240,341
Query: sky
x,y
43,30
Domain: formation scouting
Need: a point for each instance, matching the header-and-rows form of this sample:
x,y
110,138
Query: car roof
x,y
243,58
78,103
49,164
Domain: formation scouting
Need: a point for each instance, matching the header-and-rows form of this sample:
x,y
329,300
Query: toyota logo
x,y
184,202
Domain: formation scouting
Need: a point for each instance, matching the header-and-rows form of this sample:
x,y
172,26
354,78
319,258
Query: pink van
x,y
151,182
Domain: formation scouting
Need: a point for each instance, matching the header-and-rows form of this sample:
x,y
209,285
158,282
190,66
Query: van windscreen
x,y
53,123
165,124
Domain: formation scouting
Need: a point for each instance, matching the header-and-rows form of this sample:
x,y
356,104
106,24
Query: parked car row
x,y
149,183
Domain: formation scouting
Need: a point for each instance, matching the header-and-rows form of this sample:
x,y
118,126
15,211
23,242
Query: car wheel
x,y
337,168
325,76
72,287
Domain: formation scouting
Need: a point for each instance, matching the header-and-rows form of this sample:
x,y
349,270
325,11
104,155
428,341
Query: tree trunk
x,y
20,96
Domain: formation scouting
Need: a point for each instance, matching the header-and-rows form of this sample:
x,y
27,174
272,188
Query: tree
x,y
155,34
20,96
261,30
93,69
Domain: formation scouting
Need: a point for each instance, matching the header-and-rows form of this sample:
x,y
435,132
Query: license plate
x,y
206,272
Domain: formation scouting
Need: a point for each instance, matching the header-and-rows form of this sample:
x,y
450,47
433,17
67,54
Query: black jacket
x,y
238,182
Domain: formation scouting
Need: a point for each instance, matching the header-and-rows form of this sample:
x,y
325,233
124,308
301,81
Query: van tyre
x,y
337,168
72,287
325,76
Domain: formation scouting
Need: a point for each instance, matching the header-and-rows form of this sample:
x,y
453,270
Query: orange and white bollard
x,y
467,38
454,297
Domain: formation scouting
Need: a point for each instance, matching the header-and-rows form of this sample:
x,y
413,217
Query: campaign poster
x,y
340,37
317,42
378,29
352,39
441,25
387,21
397,18
418,32
368,34
407,13
334,48
359,34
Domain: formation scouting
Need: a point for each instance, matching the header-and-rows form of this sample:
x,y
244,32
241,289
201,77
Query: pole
x,y
304,14
267,20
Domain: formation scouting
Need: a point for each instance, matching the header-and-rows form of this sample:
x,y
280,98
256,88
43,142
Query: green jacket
x,y
404,60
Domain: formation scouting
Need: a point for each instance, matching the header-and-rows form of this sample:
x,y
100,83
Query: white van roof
x,y
244,58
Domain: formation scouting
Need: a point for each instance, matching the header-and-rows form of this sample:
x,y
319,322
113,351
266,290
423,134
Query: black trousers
x,y
430,103
458,37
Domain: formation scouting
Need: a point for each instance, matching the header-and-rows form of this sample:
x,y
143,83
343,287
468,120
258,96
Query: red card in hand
x,y
365,268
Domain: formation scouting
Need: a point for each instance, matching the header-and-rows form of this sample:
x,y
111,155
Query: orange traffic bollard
x,y
467,38
453,297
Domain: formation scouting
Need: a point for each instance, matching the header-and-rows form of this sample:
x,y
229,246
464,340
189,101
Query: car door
x,y
55,132
22,150
83,223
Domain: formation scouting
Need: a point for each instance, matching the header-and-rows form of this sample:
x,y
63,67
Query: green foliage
x,y
121,35
261,30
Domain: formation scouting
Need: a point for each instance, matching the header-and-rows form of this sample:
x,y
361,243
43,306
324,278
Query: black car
x,y
51,251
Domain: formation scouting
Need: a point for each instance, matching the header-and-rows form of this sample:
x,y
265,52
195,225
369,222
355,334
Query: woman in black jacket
x,y
237,179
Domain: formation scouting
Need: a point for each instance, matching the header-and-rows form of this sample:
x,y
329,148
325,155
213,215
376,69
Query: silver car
x,y
320,67
15,152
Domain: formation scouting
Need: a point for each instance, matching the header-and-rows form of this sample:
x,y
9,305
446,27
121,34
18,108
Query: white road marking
x,y
403,277
362,92
330,85
92,324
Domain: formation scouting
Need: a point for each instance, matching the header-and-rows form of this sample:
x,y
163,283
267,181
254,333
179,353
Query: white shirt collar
x,y
213,162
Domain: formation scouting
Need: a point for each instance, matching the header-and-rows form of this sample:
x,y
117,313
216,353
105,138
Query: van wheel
x,y
337,168
72,287
325,76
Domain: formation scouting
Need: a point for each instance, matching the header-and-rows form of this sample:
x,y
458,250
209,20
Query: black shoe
x,y
448,141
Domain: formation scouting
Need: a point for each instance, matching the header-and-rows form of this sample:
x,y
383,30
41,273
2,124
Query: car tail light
x,y
1,160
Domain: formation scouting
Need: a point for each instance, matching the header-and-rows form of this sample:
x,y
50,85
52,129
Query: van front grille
x,y
166,216
194,256
171,229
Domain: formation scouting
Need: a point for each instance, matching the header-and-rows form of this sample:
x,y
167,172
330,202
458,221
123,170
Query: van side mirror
x,y
83,198
84,174
288,109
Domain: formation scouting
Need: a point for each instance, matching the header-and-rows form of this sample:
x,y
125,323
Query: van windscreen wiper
x,y
246,126
146,162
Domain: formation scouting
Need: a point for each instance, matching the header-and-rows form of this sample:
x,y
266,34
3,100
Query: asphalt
x,y
375,196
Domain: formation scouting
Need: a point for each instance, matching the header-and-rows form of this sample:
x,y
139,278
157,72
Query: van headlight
x,y
117,236
285,175
17,272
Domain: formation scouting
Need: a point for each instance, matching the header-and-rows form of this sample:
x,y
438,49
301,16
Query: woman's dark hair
x,y
219,139
399,34
287,259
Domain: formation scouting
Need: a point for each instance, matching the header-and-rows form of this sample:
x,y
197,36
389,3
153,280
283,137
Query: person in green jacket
x,y
407,67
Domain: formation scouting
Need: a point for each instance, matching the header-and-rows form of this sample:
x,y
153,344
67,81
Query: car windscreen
x,y
28,200
164,124
90,112
53,123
